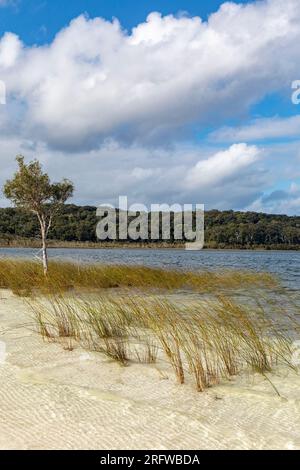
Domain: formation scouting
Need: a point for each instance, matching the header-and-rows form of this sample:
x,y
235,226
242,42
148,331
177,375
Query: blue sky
x,y
164,108
37,21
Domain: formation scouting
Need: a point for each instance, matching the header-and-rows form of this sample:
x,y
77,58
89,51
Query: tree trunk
x,y
44,251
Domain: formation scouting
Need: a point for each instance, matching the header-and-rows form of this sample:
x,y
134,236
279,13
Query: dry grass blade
x,y
203,340
26,277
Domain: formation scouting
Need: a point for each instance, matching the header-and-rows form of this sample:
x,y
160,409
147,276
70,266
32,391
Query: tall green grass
x,y
203,341
26,277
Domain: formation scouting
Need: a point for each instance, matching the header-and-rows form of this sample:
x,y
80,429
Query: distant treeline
x,y
223,229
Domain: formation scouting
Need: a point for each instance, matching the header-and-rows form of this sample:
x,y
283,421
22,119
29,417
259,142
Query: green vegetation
x,y
31,191
76,226
26,277
216,326
204,341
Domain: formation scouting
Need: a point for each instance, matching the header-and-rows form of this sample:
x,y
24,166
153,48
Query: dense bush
x,y
222,228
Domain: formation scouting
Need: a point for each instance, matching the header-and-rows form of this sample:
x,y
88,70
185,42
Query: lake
x,y
285,264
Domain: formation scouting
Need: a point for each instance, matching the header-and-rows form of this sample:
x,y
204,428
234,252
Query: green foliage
x,y
25,277
31,189
222,229
251,229
202,341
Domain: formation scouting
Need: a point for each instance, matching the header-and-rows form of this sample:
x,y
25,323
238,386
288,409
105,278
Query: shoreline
x,y
139,246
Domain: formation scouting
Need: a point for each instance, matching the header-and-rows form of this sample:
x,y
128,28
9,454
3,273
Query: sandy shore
x,y
51,398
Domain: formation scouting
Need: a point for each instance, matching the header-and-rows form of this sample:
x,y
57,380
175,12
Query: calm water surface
x,y
285,264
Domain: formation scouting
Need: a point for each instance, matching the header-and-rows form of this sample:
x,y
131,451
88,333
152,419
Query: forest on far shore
x,y
76,225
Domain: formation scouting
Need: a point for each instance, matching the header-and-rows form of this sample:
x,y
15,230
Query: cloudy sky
x,y
163,101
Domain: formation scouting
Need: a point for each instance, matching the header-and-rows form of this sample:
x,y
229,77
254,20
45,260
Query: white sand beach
x,y
53,398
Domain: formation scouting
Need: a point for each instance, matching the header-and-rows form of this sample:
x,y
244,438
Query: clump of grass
x,y
170,343
26,277
206,341
250,329
146,351
57,319
107,331
43,327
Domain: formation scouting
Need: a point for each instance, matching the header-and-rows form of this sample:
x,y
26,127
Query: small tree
x,y
31,190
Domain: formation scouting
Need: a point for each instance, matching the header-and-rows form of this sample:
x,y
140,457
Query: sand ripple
x,y
55,399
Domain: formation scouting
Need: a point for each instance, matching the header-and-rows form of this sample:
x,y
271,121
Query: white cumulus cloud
x,y
260,129
113,110
96,81
279,201
224,165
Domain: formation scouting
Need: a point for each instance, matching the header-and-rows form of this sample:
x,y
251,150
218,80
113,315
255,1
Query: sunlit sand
x,y
52,398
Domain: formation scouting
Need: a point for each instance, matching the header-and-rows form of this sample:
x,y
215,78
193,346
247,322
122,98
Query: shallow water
x,y
285,264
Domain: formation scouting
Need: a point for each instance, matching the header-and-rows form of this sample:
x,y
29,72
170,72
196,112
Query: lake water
x,y
285,264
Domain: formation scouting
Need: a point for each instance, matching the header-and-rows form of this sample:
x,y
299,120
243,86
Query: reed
x,y
205,341
57,320
107,330
26,277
